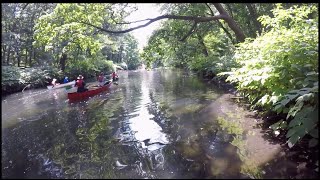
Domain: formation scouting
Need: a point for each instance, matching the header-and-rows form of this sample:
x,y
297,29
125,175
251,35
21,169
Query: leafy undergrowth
x,y
279,72
14,79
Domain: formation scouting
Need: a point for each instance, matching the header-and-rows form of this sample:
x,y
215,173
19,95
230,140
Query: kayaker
x,y
101,79
80,84
65,80
54,82
114,76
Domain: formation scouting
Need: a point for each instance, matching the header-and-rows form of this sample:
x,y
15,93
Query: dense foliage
x,y
56,35
206,49
16,79
280,69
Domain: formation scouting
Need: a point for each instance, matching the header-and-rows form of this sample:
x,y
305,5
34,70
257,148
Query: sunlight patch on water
x,y
143,124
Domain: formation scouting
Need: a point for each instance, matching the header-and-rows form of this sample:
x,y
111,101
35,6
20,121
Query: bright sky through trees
x,y
145,10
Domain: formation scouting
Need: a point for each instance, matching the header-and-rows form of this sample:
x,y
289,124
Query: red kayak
x,y
79,96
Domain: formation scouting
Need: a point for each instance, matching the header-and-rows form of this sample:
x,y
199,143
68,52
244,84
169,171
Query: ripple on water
x,y
151,112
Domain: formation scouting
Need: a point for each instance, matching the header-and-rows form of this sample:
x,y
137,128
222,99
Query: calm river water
x,y
147,126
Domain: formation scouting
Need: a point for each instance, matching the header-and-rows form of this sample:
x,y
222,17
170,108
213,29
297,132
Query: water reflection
x,y
30,105
148,126
138,128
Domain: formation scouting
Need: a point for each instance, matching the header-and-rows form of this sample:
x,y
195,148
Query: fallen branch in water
x,y
29,85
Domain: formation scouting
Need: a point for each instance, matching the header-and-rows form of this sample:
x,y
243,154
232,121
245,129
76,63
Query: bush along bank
x,y
15,79
278,73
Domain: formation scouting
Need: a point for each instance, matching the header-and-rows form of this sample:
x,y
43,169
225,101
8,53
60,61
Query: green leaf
x,y
291,97
291,132
308,96
313,142
276,125
304,91
308,124
314,133
297,130
264,99
283,125
285,110
285,102
305,110
300,130
297,107
277,107
295,122
293,92
312,73
279,110
293,140
314,115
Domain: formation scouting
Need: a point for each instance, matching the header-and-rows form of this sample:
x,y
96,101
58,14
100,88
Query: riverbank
x,y
264,155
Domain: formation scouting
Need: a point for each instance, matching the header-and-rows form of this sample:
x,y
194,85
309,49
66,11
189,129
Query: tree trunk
x,y
34,56
26,61
4,55
231,23
204,49
221,26
226,31
30,57
63,61
78,53
18,55
254,18
8,55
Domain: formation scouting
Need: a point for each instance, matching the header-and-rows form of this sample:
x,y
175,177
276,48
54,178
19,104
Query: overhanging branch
x,y
190,32
133,21
152,20
25,6
220,24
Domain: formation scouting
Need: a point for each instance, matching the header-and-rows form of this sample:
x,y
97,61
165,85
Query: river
x,y
150,125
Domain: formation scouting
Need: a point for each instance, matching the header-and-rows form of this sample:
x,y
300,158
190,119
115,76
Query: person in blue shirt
x,y
65,80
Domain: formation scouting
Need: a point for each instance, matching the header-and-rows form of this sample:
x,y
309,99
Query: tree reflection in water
x,y
146,127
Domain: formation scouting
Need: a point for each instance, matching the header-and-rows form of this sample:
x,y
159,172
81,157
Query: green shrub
x,y
279,69
15,79
88,67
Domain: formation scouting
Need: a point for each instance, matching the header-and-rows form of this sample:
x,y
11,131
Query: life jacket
x,y
79,83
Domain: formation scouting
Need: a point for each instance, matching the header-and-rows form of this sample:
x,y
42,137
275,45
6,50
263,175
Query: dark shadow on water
x,y
297,162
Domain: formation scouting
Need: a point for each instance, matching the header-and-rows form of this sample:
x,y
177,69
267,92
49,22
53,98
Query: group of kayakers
x,y
102,80
80,83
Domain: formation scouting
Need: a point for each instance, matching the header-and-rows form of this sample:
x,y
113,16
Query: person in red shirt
x,y
80,84
114,76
